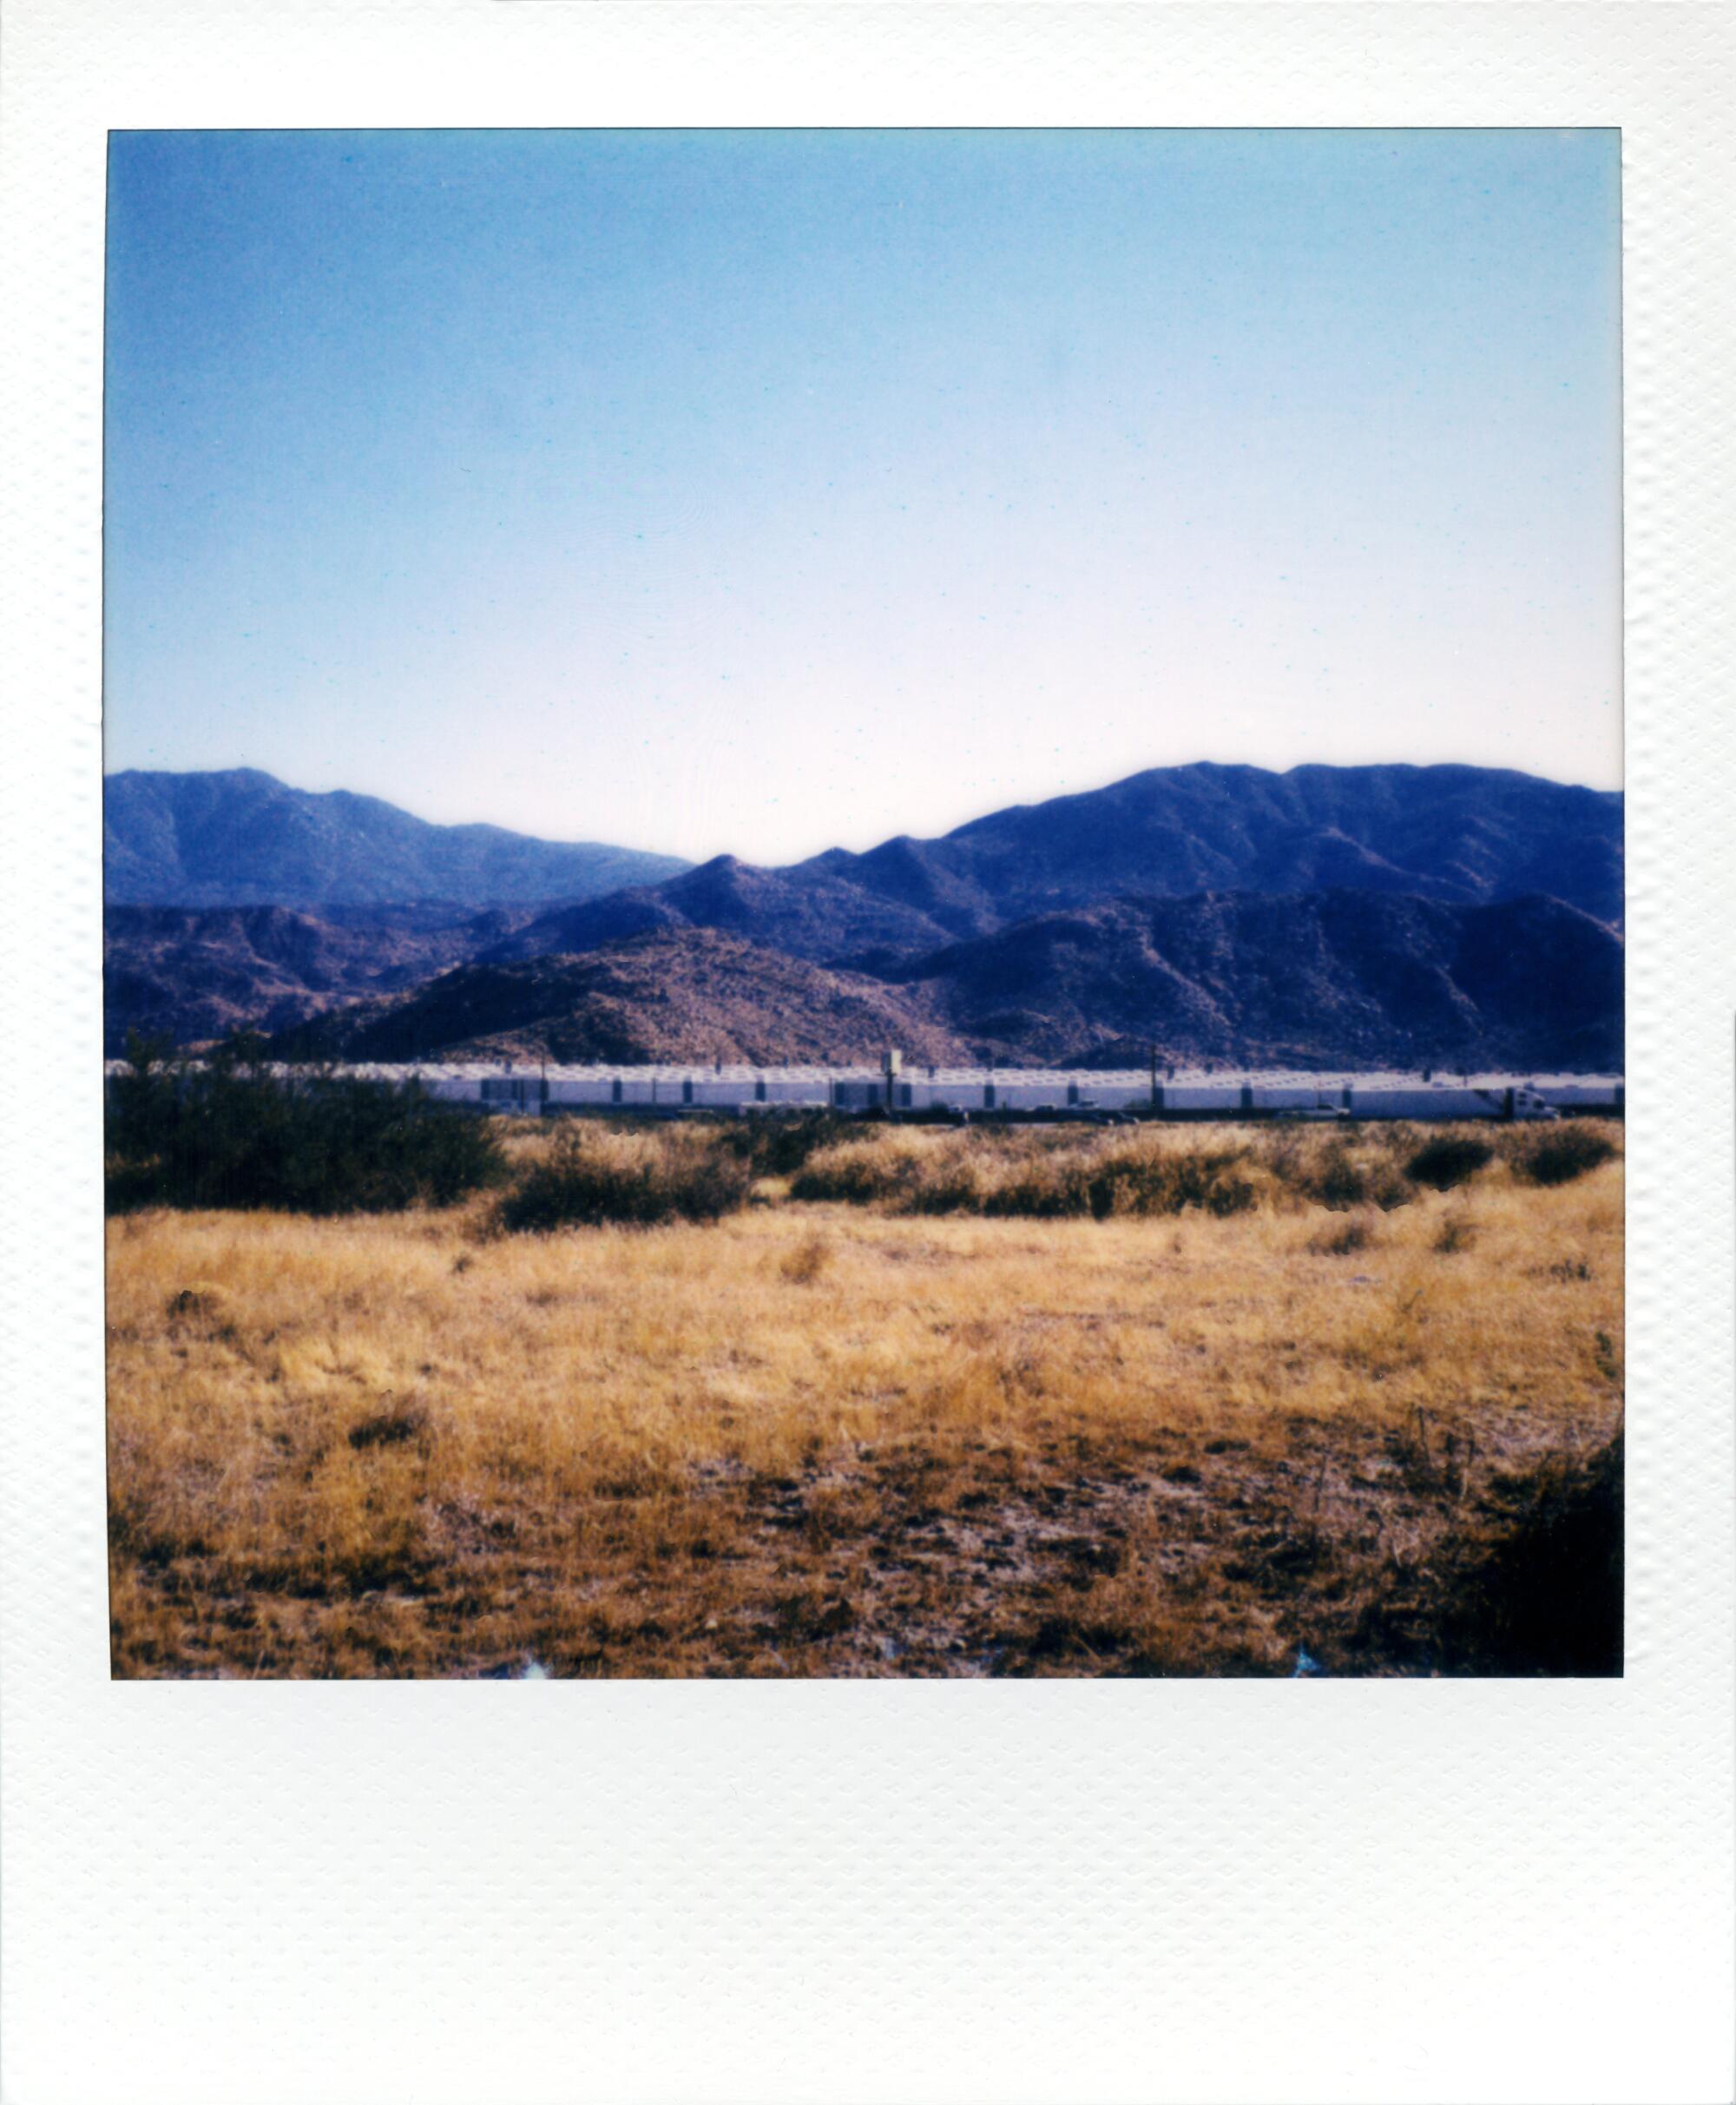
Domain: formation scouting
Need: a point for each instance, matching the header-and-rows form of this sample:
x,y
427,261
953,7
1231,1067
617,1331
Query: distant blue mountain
x,y
239,838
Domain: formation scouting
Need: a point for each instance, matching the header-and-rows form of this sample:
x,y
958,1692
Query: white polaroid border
x,y
226,1894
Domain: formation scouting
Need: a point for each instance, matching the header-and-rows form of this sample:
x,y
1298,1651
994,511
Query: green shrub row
x,y
229,1132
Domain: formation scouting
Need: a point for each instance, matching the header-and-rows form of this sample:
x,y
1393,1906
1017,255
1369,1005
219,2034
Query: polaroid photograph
x,y
864,877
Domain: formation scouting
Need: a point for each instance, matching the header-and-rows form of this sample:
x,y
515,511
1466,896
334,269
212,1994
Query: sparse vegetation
x,y
851,1436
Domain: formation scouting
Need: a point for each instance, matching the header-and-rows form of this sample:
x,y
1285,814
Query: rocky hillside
x,y
190,975
1325,980
690,994
1465,836
241,837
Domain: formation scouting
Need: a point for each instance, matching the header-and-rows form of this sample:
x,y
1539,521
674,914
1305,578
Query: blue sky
x,y
768,490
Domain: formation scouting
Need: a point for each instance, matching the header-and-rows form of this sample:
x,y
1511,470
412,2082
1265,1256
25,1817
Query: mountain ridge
x,y
238,837
1454,832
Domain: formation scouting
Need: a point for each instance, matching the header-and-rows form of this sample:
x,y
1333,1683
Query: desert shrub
x,y
1058,1188
230,1133
389,1428
1214,1182
949,1186
1339,1180
589,1178
1560,1156
1448,1160
778,1143
858,1172
1018,1177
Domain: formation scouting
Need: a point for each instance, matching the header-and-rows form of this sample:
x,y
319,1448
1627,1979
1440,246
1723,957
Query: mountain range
x,y
1462,835
1326,979
1326,916
239,838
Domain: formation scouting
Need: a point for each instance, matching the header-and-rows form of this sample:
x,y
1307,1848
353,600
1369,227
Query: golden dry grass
x,y
820,1437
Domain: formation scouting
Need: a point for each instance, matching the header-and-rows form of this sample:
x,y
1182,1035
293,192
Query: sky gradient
x,y
768,491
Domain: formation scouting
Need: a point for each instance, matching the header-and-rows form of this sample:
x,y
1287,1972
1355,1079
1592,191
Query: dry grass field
x,y
1263,1396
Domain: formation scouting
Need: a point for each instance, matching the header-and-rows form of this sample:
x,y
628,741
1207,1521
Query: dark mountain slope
x,y
1462,835
1335,978
241,837
192,975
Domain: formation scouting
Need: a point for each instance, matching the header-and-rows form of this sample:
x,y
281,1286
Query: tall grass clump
x,y
231,1133
1349,1235
862,1172
591,1178
1339,1178
1570,1152
1038,1180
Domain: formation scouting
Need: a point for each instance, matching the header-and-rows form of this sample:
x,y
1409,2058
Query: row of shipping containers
x,y
1009,1093
1006,1093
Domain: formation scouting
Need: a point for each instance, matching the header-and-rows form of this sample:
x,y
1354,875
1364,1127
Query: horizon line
x,y
729,854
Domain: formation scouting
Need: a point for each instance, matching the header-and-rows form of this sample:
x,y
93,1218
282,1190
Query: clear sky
x,y
767,490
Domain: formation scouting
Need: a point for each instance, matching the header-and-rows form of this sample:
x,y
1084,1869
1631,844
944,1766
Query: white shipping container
x,y
1423,1101
1297,1097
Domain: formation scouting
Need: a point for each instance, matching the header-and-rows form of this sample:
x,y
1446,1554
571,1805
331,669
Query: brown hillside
x,y
689,994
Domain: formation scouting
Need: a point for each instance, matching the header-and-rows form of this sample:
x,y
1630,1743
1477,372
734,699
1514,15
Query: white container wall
x,y
1113,1095
1225,1098
593,1090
